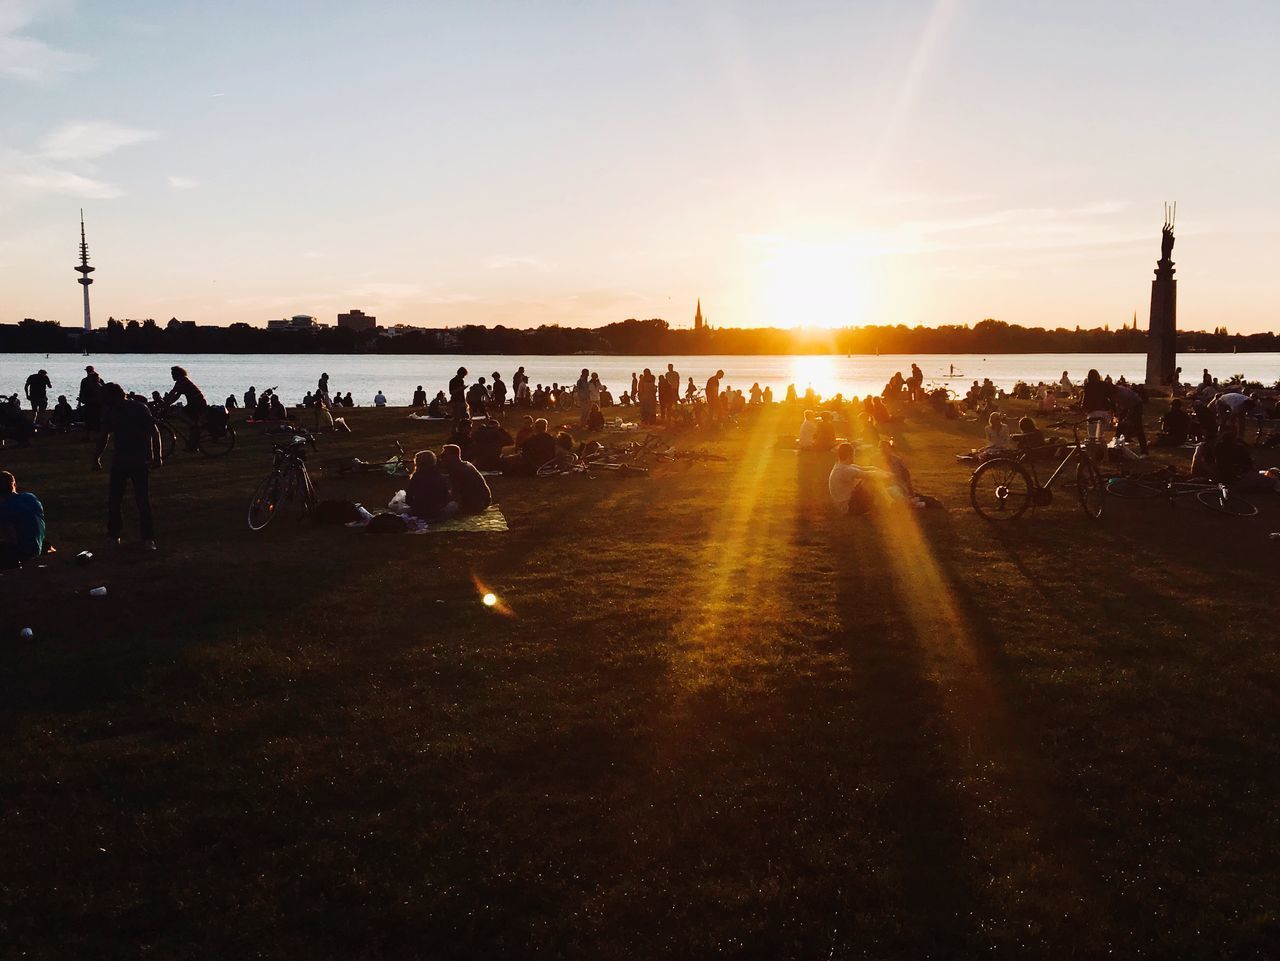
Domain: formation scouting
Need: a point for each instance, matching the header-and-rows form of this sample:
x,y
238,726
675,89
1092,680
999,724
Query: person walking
x,y
37,390
713,395
136,450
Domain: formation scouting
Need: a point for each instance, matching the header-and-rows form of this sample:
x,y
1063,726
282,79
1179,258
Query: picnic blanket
x,y
491,520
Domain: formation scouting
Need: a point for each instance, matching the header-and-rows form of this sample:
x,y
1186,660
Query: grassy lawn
x,y
717,720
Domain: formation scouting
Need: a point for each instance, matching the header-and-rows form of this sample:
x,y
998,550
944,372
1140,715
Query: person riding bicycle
x,y
196,405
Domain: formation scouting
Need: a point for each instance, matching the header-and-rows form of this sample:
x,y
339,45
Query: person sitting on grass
x,y
21,524
439,405
825,437
526,429
487,442
427,493
62,415
379,399
854,488
461,436
595,418
532,451
998,441
1029,436
1175,426
14,424
419,397
470,492
808,431
565,442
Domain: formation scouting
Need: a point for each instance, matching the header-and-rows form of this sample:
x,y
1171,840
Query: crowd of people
x,y
1211,416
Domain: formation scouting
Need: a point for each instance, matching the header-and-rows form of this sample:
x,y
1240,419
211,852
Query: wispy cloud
x,y
86,141
505,262
183,183
26,58
48,180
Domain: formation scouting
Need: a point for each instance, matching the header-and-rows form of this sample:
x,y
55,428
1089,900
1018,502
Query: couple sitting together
x,y
445,486
855,488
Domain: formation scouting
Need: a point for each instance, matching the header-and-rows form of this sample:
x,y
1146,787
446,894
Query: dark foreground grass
x,y
718,720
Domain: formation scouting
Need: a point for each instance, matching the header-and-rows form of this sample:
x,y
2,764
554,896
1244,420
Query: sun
x,y
814,285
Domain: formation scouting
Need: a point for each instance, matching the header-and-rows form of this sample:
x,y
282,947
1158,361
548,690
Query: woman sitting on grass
x,y
1029,436
428,491
998,441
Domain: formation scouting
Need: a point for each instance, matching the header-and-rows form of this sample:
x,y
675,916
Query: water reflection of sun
x,y
816,371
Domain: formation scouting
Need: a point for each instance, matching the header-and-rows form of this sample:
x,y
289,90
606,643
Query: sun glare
x,y
814,285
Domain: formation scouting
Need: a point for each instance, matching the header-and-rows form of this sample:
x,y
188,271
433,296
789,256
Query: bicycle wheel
x,y
563,464
1000,490
219,446
308,489
168,439
1224,502
1134,488
266,500
1090,490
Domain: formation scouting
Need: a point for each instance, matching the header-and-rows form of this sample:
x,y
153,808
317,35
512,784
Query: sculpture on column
x,y
1162,329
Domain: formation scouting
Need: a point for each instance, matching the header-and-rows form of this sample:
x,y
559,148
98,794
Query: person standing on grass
x,y
519,386
713,394
136,451
635,387
37,390
90,399
582,394
21,524
458,394
498,390
648,397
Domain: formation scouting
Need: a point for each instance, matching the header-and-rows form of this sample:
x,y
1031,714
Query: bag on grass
x,y
335,512
386,524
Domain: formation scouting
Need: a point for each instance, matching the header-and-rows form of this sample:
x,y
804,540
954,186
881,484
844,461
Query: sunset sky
x,y
580,163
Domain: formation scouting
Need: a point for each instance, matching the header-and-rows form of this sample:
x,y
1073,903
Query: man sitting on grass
x,y
855,489
487,442
470,492
532,452
1175,426
21,524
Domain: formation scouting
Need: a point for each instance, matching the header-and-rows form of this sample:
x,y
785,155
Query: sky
x,y
522,163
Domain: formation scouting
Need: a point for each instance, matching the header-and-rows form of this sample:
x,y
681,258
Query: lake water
x,y
397,376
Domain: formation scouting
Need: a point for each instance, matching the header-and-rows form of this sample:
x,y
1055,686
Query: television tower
x,y
85,270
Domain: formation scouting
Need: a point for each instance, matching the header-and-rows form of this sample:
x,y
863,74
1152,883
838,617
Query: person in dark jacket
x,y
487,442
137,449
1096,402
470,492
428,491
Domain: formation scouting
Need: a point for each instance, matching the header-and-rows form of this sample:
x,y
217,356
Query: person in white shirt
x,y
808,431
1232,408
379,399
997,434
852,486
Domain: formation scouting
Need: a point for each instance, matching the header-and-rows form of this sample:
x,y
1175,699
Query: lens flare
x,y
490,599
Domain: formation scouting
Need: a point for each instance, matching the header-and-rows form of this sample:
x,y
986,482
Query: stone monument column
x,y
1162,329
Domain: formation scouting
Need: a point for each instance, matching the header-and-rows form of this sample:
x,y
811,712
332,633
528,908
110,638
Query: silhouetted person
x,y
196,406
90,399
137,447
37,390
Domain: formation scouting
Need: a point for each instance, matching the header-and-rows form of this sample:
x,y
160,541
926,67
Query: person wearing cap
x,y
90,400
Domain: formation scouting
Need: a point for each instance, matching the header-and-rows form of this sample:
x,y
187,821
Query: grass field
x,y
714,720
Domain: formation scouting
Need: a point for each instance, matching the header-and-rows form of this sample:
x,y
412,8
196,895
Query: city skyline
x,y
932,163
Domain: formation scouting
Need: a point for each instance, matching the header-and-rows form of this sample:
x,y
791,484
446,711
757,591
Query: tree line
x,y
654,336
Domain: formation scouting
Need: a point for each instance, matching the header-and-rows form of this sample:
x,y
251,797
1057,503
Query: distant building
x,y
296,322
357,320
699,325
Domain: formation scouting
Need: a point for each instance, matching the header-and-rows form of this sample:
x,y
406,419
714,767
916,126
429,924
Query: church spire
x,y
697,318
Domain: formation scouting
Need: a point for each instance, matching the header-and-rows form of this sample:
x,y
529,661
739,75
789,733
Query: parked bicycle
x,y
287,482
217,436
1168,484
1002,488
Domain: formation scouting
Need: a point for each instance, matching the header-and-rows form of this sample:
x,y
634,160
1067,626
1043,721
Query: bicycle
x,y
287,481
396,464
1170,485
217,436
603,459
1002,488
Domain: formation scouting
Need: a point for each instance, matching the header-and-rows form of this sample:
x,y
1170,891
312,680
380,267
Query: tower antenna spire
x,y
84,270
